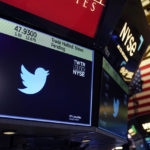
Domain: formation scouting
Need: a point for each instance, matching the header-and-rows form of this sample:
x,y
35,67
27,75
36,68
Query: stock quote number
x,y
22,31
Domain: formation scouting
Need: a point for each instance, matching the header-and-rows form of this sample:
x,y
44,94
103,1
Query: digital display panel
x,y
44,78
128,41
79,15
127,46
140,145
113,110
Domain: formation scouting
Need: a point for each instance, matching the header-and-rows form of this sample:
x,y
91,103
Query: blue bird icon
x,y
33,82
116,107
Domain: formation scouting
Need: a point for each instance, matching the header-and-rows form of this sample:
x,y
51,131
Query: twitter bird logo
x,y
33,82
116,107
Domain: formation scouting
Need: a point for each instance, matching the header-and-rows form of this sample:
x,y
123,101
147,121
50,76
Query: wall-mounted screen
x,y
79,15
44,78
113,109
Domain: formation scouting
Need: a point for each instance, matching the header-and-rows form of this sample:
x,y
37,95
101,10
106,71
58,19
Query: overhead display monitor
x,y
129,40
113,109
82,16
44,78
127,45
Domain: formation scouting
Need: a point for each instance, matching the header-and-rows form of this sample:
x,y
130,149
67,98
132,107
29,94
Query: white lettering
x,y
128,39
124,32
93,6
79,68
77,2
99,2
132,46
122,53
84,4
79,73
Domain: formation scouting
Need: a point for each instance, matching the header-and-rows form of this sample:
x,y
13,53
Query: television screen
x,y
113,109
44,78
82,16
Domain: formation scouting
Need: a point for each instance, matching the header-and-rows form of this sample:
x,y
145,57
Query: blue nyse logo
x,y
33,82
116,107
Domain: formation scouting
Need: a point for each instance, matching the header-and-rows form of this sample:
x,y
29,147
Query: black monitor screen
x,y
44,78
113,102
147,141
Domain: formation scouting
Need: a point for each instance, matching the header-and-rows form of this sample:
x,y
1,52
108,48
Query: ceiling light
x,y
119,147
9,132
86,141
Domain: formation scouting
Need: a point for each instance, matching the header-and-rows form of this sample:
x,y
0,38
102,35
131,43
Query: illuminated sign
x,y
129,42
146,126
79,15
